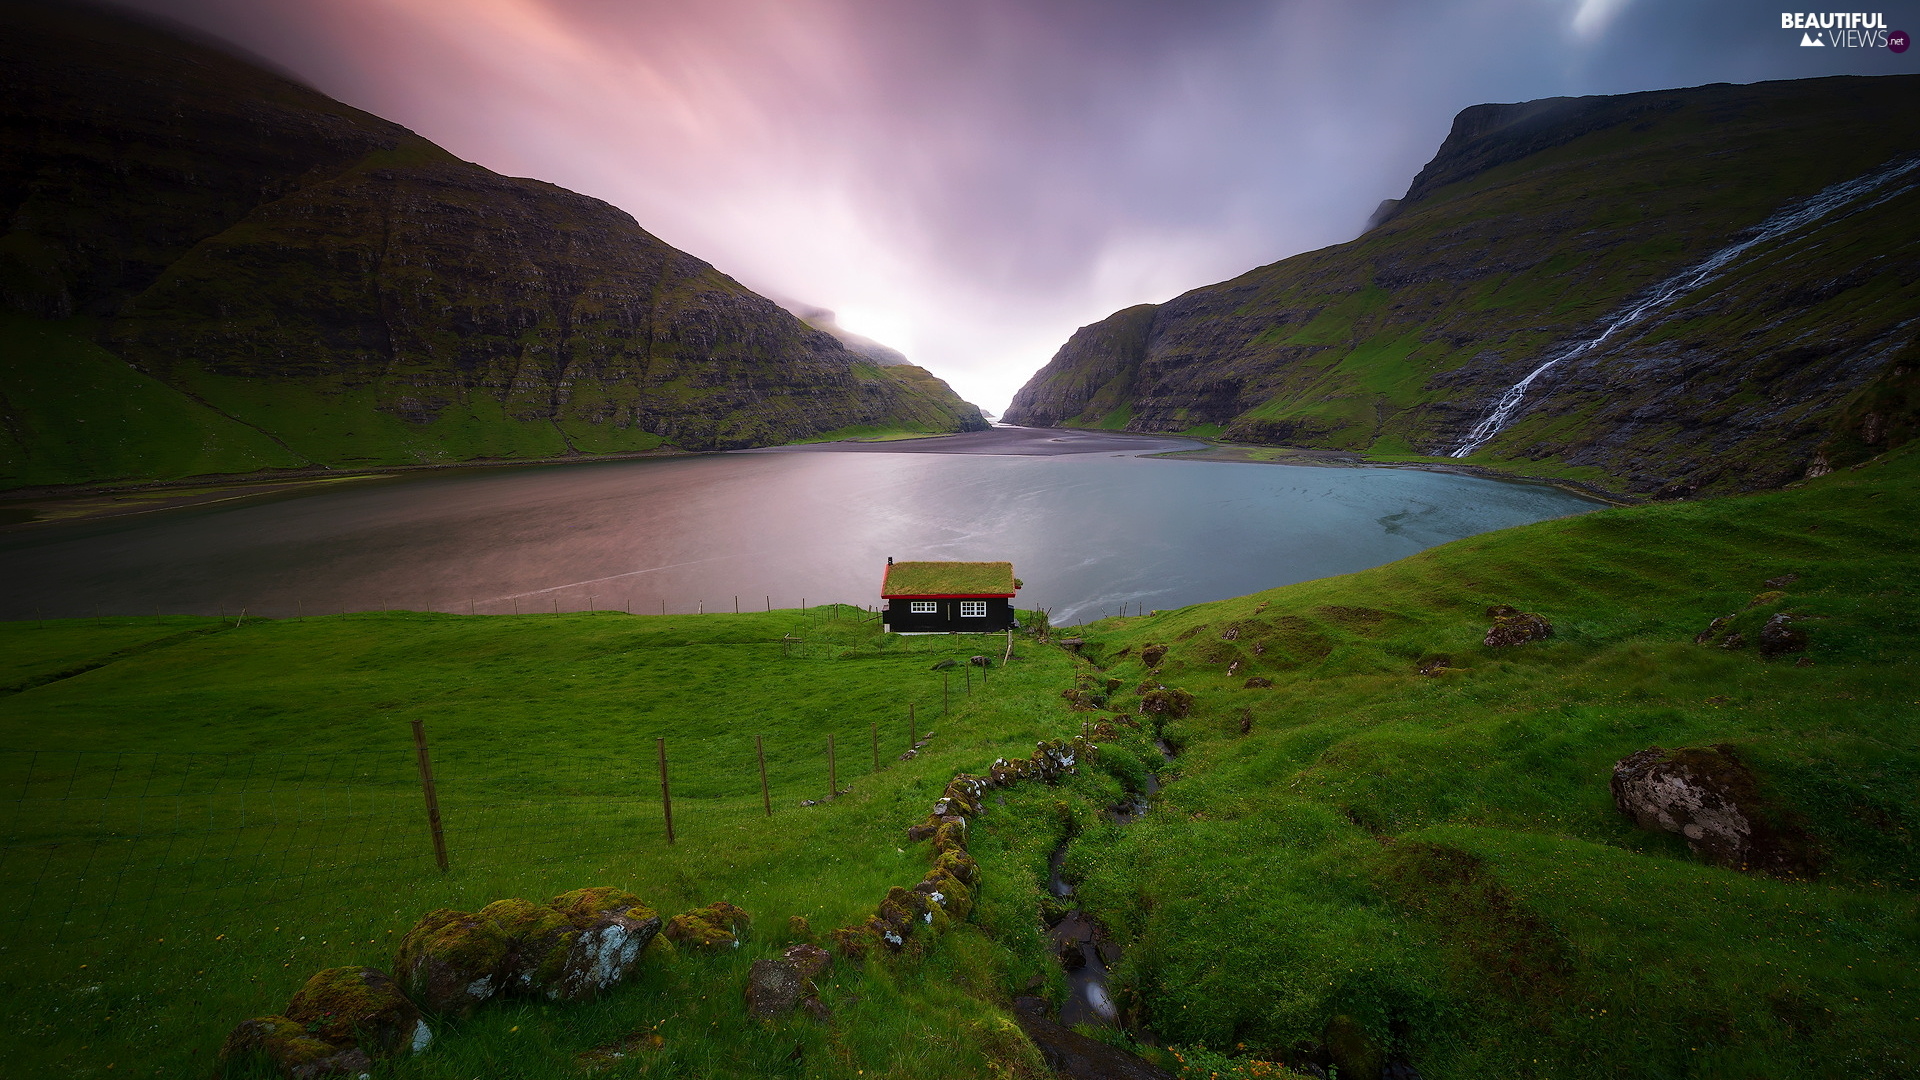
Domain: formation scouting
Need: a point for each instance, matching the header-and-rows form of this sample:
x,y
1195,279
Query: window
x,y
973,609
923,607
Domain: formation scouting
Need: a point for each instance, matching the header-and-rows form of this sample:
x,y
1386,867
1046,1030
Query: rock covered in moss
x,y
339,1023
1710,798
570,948
289,1049
609,931
1780,637
1162,701
719,925
359,1006
1514,627
1151,655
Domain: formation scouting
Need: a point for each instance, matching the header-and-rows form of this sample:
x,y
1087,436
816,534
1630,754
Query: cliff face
x,y
1534,229
210,268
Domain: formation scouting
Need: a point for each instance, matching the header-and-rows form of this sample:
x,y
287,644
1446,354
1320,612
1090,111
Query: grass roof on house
x,y
948,579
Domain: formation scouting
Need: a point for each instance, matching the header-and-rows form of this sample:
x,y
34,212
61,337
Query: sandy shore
x,y
1004,441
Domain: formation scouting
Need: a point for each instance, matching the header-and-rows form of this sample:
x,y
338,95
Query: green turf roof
x,y
948,579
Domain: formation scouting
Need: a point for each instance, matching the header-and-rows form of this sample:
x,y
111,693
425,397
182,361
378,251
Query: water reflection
x,y
1089,532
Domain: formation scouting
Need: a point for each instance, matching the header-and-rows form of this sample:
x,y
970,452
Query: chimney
x,y
889,560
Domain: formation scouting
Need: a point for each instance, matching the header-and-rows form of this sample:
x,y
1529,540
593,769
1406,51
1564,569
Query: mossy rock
x,y
959,864
716,926
359,1006
286,1047
451,961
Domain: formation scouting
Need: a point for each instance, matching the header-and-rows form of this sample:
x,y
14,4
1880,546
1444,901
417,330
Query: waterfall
x,y
1784,221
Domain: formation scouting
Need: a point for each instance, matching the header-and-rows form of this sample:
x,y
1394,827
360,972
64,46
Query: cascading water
x,y
1794,216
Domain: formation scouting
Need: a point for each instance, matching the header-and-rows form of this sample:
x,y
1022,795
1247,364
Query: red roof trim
x,y
947,596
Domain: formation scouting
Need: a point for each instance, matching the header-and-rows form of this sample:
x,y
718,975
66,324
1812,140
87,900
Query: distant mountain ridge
x,y
1533,228
209,268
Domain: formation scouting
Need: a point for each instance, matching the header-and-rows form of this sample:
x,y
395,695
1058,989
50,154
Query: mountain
x,y
823,320
1730,273
210,268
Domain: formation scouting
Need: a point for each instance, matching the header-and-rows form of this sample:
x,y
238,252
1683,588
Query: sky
x,y
968,181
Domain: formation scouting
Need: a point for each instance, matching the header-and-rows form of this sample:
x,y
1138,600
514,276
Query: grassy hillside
x,y
1438,856
175,922
1405,845
1532,224
209,268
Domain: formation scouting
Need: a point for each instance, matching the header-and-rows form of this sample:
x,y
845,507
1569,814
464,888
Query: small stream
x,y
1077,939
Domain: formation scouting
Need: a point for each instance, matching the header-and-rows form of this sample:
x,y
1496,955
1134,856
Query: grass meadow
x,y
201,815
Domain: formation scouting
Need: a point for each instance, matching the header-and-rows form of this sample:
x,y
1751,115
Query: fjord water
x,y
1089,530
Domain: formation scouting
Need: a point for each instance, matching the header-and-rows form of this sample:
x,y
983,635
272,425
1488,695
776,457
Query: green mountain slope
x,y
1532,226
210,268
1415,831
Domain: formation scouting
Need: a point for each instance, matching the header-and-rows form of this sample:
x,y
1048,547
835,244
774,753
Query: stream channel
x,y
1087,955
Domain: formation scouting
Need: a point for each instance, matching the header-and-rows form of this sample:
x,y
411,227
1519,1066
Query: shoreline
x,y
121,498
1241,453
57,504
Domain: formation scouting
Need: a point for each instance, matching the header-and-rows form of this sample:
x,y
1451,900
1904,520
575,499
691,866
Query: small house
x,y
948,597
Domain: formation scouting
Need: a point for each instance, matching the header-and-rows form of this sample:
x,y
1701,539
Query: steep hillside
x,y
1759,318
210,268
1387,834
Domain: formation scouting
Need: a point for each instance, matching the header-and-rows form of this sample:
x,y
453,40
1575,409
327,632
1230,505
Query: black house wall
x,y
901,620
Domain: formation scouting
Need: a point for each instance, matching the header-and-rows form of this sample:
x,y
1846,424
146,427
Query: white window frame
x,y
923,607
973,609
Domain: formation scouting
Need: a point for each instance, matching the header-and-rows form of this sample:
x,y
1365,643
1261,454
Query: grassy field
x,y
205,815
202,814
1439,858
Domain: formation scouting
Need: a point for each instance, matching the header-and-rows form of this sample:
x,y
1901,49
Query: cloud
x,y
980,177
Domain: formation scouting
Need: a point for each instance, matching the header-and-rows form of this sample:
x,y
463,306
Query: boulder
x,y
945,664
719,925
1151,655
1780,637
358,1006
979,661
1165,702
773,988
1516,628
811,961
452,961
571,948
288,1049
1709,797
609,931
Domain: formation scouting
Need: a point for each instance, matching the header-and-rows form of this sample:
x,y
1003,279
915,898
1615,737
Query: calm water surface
x,y
1088,531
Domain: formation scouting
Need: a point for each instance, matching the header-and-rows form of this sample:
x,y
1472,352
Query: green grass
x,y
147,920
1439,857
1435,858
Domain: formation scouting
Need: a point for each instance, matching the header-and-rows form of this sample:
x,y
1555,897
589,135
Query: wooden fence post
x,y
766,798
433,797
736,605
833,782
666,796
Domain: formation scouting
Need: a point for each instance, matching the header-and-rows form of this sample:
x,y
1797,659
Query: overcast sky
x,y
970,180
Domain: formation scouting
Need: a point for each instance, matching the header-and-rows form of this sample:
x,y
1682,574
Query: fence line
x,y
94,840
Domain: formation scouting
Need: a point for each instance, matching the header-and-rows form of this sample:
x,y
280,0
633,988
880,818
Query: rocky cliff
x,y
1730,272
207,267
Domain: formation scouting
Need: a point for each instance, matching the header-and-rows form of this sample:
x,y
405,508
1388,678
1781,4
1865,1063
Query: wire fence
x,y
95,842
